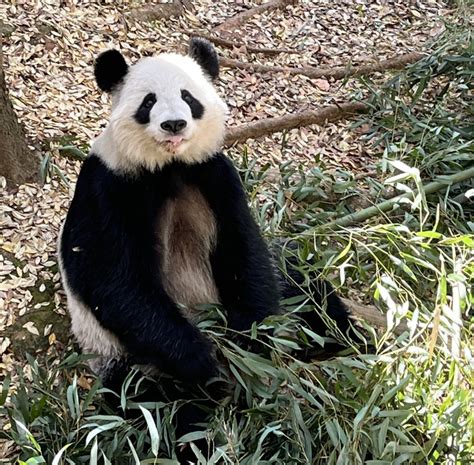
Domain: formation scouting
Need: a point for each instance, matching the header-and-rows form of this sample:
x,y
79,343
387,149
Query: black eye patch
x,y
197,110
142,115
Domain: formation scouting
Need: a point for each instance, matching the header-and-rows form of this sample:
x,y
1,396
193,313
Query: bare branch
x,y
241,18
338,72
232,44
267,126
372,315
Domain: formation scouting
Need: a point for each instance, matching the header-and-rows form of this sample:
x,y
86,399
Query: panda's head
x,y
164,108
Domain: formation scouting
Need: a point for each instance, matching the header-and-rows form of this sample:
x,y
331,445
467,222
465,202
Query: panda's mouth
x,y
171,143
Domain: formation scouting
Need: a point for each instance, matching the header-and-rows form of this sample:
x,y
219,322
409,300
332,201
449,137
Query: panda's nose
x,y
174,125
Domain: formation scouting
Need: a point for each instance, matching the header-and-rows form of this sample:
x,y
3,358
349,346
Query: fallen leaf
x,y
4,345
84,382
322,84
31,328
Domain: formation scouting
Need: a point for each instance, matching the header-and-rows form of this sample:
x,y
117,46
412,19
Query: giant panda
x,y
159,223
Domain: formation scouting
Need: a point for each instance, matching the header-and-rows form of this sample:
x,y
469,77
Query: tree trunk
x,y
18,164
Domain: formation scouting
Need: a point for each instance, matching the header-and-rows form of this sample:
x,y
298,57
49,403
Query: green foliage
x,y
401,404
421,121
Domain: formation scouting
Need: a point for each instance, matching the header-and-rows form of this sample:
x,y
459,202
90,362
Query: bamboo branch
x,y
241,18
334,72
387,205
456,317
267,126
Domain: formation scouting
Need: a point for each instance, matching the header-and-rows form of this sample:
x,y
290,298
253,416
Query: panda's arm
x,y
106,249
241,263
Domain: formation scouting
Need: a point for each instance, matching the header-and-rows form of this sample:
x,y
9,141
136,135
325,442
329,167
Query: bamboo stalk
x,y
387,205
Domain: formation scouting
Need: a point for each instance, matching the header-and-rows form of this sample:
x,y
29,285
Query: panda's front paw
x,y
197,365
242,321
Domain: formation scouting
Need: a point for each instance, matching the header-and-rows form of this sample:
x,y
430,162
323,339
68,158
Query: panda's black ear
x,y
205,54
109,69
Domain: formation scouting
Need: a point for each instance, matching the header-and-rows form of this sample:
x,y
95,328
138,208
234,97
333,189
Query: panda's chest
x,y
185,237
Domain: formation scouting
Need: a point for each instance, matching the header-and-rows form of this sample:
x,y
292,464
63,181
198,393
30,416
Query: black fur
x,y
197,110
241,263
187,418
110,68
205,54
142,115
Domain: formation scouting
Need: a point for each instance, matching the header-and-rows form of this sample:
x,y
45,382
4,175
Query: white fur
x,y
126,145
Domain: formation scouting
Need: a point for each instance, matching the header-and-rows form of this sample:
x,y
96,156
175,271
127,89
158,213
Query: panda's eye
x,y
142,115
149,101
197,110
187,97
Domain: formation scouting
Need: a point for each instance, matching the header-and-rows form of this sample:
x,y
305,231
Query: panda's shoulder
x,y
221,166
92,167
95,173
218,179
222,160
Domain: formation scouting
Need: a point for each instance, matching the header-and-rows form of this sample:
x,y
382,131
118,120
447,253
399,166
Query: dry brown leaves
x,y
49,55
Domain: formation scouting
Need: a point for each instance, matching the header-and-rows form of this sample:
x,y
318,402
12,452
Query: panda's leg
x,y
197,406
326,306
188,419
328,313
113,372
193,413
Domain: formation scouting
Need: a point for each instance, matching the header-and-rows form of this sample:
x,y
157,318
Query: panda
x,y
159,223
